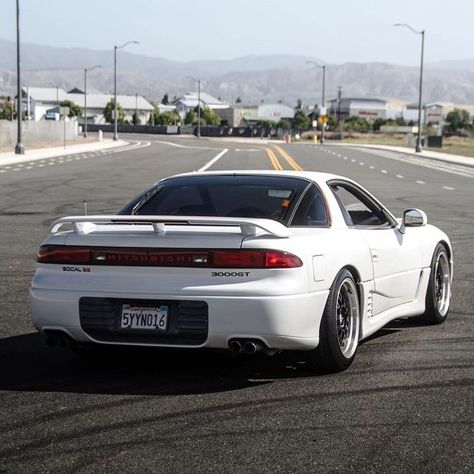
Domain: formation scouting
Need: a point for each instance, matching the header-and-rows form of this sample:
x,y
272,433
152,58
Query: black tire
x,y
438,294
332,355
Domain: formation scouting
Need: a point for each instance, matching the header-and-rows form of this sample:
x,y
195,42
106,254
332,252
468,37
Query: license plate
x,y
144,317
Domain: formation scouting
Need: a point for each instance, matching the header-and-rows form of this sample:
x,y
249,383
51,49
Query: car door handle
x,y
375,255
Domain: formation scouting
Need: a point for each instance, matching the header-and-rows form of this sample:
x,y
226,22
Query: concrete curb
x,y
431,155
45,153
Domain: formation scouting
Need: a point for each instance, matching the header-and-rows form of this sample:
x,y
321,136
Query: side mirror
x,y
413,218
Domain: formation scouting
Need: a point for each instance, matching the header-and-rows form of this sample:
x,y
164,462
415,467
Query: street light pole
x,y
115,137
86,70
19,148
199,109
323,126
418,147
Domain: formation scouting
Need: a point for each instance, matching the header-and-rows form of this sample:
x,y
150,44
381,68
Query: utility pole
x,y
115,137
322,115
199,109
338,110
418,147
86,70
19,148
136,108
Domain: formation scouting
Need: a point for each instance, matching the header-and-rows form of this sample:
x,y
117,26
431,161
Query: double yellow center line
x,y
289,159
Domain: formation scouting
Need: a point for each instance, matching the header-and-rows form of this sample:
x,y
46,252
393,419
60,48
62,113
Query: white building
x,y
40,99
244,115
189,101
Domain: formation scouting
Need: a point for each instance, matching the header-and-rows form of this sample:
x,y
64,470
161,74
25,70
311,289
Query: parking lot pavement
x,y
404,406
31,155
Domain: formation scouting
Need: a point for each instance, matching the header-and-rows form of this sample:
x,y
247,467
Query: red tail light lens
x,y
282,260
60,254
112,256
238,259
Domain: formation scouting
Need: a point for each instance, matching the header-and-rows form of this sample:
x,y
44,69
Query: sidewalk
x,y
432,155
42,153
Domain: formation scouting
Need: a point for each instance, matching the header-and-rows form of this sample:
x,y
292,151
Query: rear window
x,y
269,197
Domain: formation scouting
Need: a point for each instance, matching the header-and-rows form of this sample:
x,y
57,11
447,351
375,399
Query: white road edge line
x,y
210,163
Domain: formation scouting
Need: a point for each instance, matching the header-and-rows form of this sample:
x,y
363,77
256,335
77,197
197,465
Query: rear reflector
x,y
112,256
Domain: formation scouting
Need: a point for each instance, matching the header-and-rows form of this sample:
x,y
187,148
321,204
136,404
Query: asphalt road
x,y
405,405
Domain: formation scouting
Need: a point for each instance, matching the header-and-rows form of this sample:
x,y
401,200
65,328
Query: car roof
x,y
315,176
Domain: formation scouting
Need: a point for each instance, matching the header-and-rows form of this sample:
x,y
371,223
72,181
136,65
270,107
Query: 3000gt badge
x,y
230,274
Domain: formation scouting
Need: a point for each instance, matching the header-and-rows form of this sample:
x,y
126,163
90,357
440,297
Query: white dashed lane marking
x,y
419,181
372,167
361,163
399,176
448,188
384,171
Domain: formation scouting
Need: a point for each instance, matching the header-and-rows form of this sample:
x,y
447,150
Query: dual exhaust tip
x,y
250,347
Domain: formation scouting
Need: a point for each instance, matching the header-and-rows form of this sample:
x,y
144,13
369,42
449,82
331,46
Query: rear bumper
x,y
282,322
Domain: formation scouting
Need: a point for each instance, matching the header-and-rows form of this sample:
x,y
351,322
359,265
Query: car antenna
x,y
85,207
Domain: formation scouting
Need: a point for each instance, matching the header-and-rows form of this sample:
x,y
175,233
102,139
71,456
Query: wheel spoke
x,y
347,318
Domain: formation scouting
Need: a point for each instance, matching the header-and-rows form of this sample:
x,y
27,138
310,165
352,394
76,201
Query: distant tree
x,y
210,116
6,109
299,104
301,121
190,117
280,101
165,100
74,109
357,124
135,119
458,119
377,124
284,124
400,121
238,100
109,112
167,118
331,123
265,123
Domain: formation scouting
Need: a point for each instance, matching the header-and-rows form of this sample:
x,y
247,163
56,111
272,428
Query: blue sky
x,y
334,30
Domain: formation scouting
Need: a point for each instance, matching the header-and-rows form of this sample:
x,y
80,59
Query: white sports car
x,y
247,261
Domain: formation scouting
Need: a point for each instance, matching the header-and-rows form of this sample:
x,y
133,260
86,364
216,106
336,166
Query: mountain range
x,y
252,78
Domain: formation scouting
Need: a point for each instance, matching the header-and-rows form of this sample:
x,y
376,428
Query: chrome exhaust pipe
x,y
235,347
252,347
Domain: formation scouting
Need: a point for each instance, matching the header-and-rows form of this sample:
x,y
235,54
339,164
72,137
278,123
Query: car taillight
x,y
112,256
60,254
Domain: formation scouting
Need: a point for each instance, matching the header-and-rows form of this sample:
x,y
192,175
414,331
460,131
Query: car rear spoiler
x,y
83,225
